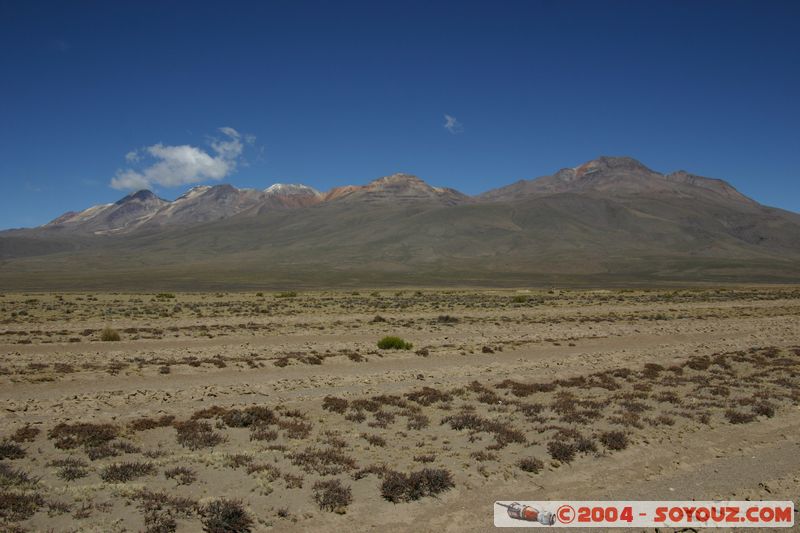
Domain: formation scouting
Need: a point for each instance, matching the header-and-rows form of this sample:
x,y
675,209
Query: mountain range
x,y
611,220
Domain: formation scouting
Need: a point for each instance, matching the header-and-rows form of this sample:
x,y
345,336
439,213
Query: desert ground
x,y
277,411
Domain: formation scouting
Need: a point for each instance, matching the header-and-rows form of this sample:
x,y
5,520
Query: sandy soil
x,y
256,398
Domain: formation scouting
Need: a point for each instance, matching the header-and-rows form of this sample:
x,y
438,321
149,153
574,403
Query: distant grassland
x,y
71,273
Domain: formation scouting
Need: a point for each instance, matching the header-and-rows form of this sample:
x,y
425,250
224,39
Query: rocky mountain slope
x,y
611,220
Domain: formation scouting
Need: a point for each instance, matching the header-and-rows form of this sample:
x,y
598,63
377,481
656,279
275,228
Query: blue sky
x,y
331,93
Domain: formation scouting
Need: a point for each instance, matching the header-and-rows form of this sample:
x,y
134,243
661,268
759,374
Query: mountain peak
x,y
143,195
622,163
614,176
291,189
397,187
398,179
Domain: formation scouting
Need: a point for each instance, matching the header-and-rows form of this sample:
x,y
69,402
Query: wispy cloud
x,y
171,166
452,125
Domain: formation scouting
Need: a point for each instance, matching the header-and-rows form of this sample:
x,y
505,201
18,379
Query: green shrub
x,y
393,343
109,335
287,294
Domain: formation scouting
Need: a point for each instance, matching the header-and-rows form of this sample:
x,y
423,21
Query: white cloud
x,y
452,125
172,166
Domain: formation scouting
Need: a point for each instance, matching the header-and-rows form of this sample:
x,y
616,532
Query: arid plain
x,y
279,412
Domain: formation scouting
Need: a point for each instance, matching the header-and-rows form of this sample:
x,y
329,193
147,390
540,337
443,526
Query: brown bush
x,y
295,429
225,516
142,424
256,414
69,436
398,487
194,435
530,464
15,506
335,405
738,417
374,440
25,434
325,462
332,495
428,396
183,475
764,409
122,472
614,440
561,451
11,450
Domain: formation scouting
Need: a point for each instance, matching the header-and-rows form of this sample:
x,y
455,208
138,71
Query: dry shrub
x,y
25,434
72,470
525,389
69,436
334,404
142,424
11,450
15,506
398,487
428,396
123,472
530,464
194,435
738,417
374,440
332,495
325,462
293,481
764,409
295,429
183,475
262,433
561,451
254,415
698,363
209,412
225,516
379,470
15,478
614,440
417,421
